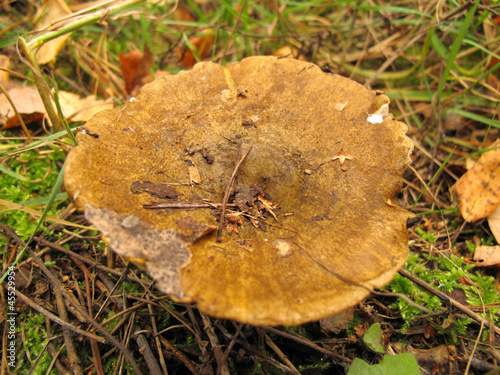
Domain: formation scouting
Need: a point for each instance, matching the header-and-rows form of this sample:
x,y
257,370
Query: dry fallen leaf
x,y
4,63
76,108
136,67
478,190
194,174
430,358
487,256
136,70
183,16
494,223
30,106
50,11
338,322
27,102
202,45
288,52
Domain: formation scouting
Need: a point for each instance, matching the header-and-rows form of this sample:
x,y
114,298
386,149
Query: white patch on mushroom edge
x,y
378,116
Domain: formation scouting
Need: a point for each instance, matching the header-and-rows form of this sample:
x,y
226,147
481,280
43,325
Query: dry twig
x,y
56,319
228,192
260,356
74,358
56,284
223,368
307,342
180,356
280,354
142,342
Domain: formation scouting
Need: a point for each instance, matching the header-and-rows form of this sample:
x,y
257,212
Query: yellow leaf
x,y
51,11
494,223
487,256
4,63
478,190
28,102
76,108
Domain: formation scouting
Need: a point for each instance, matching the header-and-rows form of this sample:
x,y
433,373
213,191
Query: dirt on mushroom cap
x,y
315,238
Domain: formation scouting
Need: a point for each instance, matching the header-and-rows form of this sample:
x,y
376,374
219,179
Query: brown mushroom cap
x,y
336,238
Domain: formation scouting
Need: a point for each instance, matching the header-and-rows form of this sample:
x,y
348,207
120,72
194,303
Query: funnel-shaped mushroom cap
x,y
309,228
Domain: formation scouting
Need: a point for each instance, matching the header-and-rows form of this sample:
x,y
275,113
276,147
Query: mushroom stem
x,y
227,192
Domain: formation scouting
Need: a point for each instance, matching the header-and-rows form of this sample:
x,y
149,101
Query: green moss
x,y
429,237
35,342
319,367
112,362
446,275
113,323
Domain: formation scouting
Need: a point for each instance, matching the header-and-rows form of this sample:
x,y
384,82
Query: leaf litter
x,y
28,103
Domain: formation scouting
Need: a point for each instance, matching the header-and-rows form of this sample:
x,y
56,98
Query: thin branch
x,y
57,284
179,355
403,297
307,342
96,355
223,368
56,319
92,262
156,338
73,357
228,192
184,205
142,342
255,353
280,354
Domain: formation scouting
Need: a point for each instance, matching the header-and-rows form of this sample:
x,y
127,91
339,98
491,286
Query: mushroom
x,y
294,246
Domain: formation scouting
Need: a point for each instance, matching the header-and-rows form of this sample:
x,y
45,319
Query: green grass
x,y
28,177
